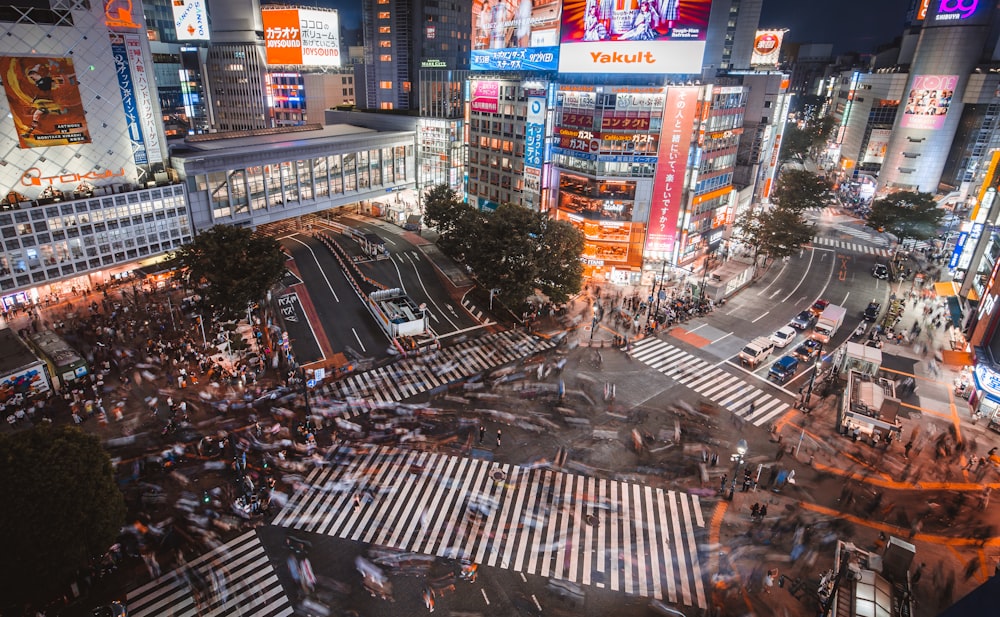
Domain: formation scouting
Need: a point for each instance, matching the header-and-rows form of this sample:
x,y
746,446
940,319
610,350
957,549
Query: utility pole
x,y
812,377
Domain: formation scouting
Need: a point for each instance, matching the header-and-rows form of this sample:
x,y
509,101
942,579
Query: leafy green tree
x,y
443,209
795,144
774,233
517,251
63,507
231,267
800,189
908,215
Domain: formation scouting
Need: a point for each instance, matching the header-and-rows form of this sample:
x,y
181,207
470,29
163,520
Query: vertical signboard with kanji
x,y
129,106
671,162
144,97
534,141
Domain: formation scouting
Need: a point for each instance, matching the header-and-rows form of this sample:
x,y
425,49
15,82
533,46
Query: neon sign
x,y
33,177
956,9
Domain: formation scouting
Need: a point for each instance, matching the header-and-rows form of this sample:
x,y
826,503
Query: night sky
x,y
851,25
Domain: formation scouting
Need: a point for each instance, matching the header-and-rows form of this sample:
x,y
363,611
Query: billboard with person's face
x,y
44,98
633,36
515,35
928,101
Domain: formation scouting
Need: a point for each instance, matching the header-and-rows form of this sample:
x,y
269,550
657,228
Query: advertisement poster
x,y
928,101
190,20
515,35
633,36
44,99
27,382
766,48
878,141
129,105
141,80
305,37
668,184
486,96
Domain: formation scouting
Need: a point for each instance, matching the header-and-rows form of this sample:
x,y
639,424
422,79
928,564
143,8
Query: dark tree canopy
x,y
514,250
232,268
906,215
63,507
795,144
774,233
443,209
800,189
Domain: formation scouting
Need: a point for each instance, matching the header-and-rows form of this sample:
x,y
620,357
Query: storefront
x,y
984,397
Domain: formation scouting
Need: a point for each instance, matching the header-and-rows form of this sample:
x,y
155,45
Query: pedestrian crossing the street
x,y
723,388
411,376
851,246
614,535
233,579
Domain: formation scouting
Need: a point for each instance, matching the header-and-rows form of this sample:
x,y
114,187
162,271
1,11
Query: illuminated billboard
x,y
485,97
928,101
633,36
878,142
44,98
766,48
190,20
671,163
303,37
515,35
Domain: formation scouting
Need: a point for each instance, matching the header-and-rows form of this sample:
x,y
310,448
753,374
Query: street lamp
x,y
812,378
737,458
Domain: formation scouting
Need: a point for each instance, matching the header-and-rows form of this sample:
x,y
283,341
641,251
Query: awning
x,y
973,295
946,289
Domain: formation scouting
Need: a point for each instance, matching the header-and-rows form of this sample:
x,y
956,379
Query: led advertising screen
x,y
633,36
766,48
671,163
928,101
190,20
44,98
304,37
515,35
958,12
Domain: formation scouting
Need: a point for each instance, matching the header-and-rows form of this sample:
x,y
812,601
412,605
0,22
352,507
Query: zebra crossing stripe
x,y
535,521
708,380
240,578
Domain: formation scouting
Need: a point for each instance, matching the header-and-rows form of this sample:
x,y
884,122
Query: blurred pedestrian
x,y
482,433
498,437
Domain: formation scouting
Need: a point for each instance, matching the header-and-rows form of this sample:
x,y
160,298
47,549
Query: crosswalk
x,y
411,376
615,535
234,579
851,246
710,381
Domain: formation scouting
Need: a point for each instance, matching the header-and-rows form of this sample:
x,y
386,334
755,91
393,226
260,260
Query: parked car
x,y
807,350
784,369
881,271
872,311
803,321
783,336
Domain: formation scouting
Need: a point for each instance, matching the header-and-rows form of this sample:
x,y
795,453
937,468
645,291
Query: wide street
x,y
581,479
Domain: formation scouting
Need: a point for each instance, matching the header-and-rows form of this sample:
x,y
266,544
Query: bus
x,y
64,363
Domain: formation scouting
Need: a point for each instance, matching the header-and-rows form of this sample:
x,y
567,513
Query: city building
x,y
401,37
863,106
87,191
236,67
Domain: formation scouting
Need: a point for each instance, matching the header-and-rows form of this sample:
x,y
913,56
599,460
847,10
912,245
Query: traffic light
x,y
205,497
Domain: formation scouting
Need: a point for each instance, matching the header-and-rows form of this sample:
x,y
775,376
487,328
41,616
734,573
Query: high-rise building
x,y
237,67
401,37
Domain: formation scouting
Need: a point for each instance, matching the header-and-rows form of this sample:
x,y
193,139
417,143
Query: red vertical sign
x,y
671,160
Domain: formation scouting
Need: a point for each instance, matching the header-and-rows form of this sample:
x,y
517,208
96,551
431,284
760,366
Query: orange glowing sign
x,y
118,14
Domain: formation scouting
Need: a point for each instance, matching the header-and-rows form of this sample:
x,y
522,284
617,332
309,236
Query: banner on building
x,y
485,97
129,105
306,37
515,35
44,98
190,20
534,141
878,141
668,183
766,48
928,101
141,80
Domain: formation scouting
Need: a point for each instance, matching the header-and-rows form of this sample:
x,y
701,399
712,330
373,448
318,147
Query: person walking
x,y
769,579
498,437
482,433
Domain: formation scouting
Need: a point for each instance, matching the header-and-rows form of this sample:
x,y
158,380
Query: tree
x,y
63,507
907,215
799,189
518,251
775,233
443,209
795,144
231,267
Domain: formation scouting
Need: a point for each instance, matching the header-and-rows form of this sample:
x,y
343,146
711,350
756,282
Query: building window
x,y
385,44
385,29
385,85
384,15
385,57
